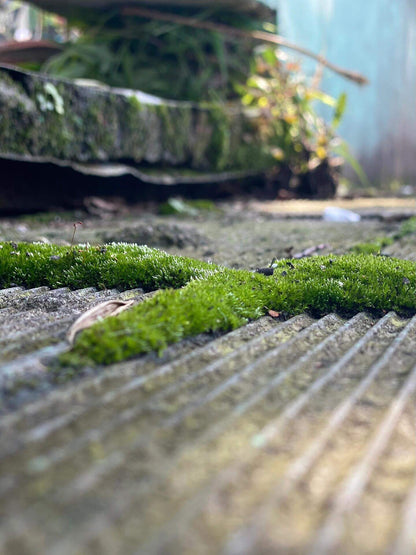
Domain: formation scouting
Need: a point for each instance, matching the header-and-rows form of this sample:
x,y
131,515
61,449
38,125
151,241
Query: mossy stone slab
x,y
43,118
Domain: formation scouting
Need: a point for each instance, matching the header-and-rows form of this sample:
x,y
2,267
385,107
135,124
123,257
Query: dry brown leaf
x,y
103,310
273,313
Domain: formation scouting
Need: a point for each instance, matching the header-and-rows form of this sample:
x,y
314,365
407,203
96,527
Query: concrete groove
x,y
264,436
272,428
16,298
405,542
46,331
137,382
61,453
40,316
170,422
16,292
216,430
246,539
10,291
39,323
128,383
31,363
350,491
88,296
35,343
88,478
234,379
149,456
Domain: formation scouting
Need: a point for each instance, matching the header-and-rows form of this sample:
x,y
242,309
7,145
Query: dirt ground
x,y
238,234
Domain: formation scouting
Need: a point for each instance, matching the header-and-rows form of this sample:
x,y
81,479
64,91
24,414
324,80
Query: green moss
x,y
372,248
134,102
119,265
176,129
219,150
200,297
226,299
408,227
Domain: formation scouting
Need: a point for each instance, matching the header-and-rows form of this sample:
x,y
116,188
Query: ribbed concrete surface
x,y
33,324
294,437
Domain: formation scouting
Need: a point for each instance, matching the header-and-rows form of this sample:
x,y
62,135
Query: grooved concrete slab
x,y
293,437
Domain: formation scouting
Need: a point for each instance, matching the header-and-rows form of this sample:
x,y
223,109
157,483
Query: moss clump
x,y
372,248
408,227
226,299
201,297
121,266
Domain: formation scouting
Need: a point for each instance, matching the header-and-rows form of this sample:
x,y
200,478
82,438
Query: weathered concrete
x,y
235,235
280,437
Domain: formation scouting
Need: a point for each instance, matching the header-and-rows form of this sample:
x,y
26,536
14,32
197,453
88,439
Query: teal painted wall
x,y
378,39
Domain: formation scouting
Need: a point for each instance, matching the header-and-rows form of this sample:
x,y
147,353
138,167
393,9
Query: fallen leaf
x,y
273,314
103,310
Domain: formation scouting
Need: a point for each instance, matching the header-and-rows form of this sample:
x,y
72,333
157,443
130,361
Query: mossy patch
x,y
121,266
227,299
200,297
374,247
408,227
53,118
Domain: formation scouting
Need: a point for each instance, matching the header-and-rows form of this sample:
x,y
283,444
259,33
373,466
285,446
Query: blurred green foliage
x,y
180,62
284,109
161,58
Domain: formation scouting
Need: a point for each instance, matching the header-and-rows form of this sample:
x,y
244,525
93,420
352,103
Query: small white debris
x,y
336,214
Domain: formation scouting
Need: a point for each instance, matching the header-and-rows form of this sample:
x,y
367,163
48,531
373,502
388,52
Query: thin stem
x,y
261,36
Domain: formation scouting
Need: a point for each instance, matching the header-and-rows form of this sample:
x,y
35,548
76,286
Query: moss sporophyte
x,y
198,297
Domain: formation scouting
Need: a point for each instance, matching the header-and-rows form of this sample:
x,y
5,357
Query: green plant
x,y
283,110
162,58
341,148
408,227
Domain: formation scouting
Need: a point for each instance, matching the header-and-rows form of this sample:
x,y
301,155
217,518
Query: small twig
x,y
261,36
75,229
317,77
310,251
